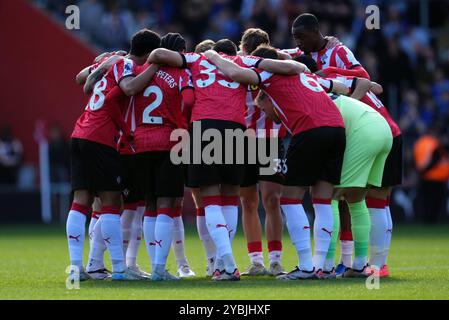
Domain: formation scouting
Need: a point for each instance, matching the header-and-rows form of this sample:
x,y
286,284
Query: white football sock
x,y
255,253
218,230
379,226
205,238
347,249
111,230
359,263
149,224
256,257
388,235
299,229
97,249
136,238
178,242
93,221
229,263
231,215
275,251
76,232
322,233
275,256
219,264
126,220
163,234
328,264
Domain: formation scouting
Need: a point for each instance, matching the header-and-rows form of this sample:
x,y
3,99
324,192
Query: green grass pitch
x,y
34,259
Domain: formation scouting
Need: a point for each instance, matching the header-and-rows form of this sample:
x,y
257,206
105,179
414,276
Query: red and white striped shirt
x,y
257,120
339,56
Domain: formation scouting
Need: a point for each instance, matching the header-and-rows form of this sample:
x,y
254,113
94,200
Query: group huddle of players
x,y
345,150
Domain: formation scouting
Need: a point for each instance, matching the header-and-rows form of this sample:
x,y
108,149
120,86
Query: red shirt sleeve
x,y
114,97
357,71
124,68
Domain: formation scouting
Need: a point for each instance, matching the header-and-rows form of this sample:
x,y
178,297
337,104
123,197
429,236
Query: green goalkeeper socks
x,y
361,225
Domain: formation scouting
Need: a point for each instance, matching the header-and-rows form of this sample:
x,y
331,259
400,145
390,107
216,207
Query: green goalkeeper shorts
x,y
367,148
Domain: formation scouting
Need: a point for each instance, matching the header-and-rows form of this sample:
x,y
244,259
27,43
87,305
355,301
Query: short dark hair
x,y
307,21
204,45
308,61
252,38
226,46
143,42
265,51
173,41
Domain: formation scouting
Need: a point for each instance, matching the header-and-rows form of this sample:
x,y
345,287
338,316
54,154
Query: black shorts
x,y
132,187
252,171
393,165
95,166
203,174
186,177
315,155
159,176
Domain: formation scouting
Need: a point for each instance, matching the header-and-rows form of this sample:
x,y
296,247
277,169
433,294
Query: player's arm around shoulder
x,y
135,84
164,56
360,87
232,70
376,88
331,85
98,73
284,67
82,76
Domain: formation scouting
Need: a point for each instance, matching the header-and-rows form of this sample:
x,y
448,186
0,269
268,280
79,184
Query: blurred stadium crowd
x,y
408,55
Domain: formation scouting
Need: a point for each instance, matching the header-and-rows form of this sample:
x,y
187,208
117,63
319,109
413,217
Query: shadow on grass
x,y
261,282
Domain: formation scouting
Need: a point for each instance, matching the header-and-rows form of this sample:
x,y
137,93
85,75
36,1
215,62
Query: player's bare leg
x,y
219,229
299,229
249,198
163,234
178,242
271,200
203,233
76,230
381,228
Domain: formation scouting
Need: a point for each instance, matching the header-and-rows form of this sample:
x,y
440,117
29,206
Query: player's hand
x,y
210,54
306,69
284,55
332,42
111,61
101,56
150,62
121,53
320,73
